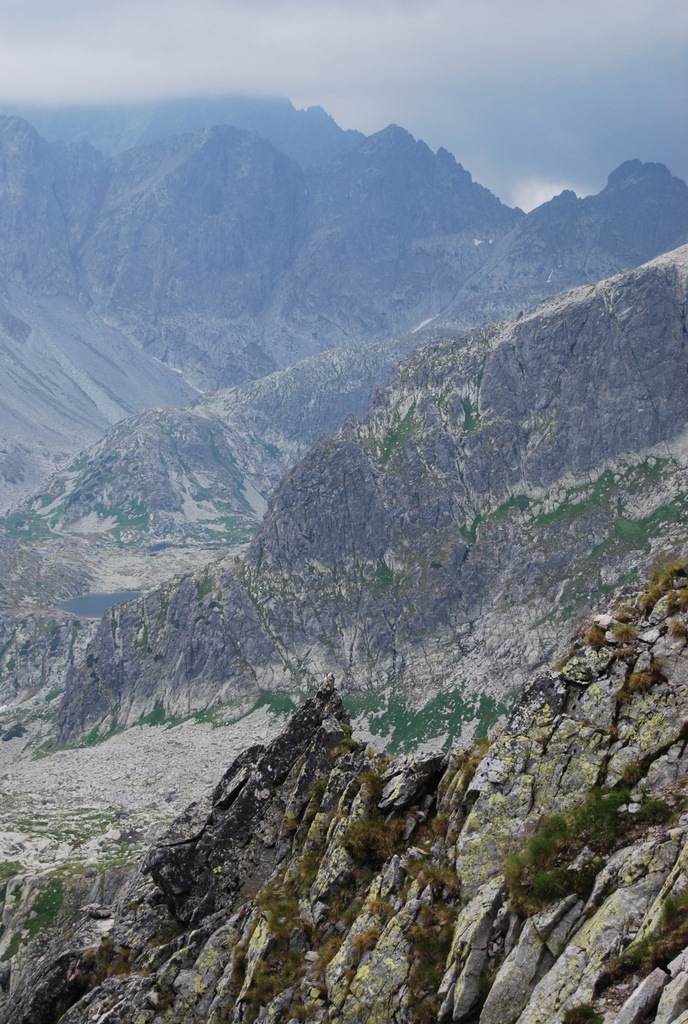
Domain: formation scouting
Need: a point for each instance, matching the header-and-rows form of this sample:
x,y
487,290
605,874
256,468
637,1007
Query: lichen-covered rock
x,y
197,984
543,938
673,1001
635,876
335,872
261,942
587,665
378,993
407,778
341,969
460,987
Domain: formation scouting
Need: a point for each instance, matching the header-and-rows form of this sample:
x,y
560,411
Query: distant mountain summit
x,y
308,136
641,212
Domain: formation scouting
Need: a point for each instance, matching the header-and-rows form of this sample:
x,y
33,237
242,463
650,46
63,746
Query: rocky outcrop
x,y
537,879
499,482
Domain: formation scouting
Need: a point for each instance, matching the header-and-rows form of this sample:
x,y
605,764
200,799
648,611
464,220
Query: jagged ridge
x,y
522,882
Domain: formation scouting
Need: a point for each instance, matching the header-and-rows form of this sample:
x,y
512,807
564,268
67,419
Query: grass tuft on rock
x,y
371,841
541,870
583,1014
595,638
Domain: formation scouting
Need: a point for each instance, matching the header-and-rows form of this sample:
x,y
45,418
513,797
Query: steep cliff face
x,y
242,262
499,481
537,879
66,375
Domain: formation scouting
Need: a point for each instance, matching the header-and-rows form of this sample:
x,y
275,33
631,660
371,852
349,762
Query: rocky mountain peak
x,y
632,172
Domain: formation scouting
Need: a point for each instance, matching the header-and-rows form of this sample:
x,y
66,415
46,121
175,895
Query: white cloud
x,y
531,192
542,87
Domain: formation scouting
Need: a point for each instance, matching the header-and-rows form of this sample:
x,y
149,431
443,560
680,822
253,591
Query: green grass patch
x,y
25,525
46,908
92,738
519,501
470,533
279,704
570,510
12,948
10,868
384,578
404,728
155,717
397,435
371,841
539,872
583,1014
471,416
204,586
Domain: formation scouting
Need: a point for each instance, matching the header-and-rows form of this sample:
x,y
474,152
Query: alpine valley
x,y
327,409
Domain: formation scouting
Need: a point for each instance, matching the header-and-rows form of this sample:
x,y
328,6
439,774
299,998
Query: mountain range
x,y
335,411
215,255
309,136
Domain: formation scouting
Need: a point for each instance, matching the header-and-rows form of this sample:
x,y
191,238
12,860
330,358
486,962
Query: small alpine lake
x,y
92,606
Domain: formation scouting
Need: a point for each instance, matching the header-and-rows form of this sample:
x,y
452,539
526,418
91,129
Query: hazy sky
x,y
530,96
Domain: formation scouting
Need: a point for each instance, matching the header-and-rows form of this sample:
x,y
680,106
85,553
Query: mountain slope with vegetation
x,y
499,482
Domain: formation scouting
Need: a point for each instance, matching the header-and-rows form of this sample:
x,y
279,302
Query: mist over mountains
x,y
309,136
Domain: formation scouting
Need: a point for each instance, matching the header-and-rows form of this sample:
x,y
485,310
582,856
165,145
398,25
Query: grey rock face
x,y
408,548
644,1000
291,260
193,860
543,939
